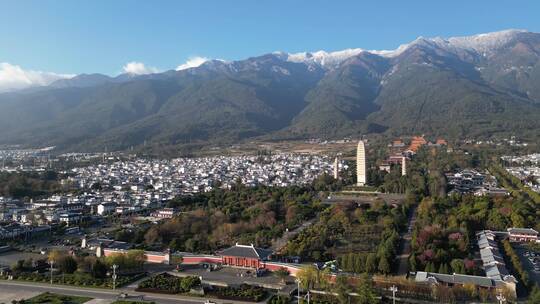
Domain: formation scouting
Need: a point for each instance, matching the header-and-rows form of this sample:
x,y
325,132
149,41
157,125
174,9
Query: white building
x,y
106,208
361,176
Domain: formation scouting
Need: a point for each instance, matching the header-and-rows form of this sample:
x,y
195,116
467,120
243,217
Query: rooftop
x,y
248,251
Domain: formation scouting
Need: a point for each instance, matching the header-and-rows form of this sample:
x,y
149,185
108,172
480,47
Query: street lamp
x,y
114,267
394,289
52,265
298,289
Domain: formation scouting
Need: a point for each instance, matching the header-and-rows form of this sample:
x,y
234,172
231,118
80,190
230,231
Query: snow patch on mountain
x,y
482,44
321,58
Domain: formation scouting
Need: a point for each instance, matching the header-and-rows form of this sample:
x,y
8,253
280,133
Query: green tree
x,y
366,293
458,266
67,264
384,265
430,267
412,262
99,270
188,283
371,263
342,289
308,277
134,259
443,268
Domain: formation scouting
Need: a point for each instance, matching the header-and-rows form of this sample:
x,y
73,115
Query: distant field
x,y
253,147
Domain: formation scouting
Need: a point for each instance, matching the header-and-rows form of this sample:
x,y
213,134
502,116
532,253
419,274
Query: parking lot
x,y
530,261
235,276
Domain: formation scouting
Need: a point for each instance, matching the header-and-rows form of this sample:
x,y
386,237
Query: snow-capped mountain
x,y
454,87
482,44
485,43
321,58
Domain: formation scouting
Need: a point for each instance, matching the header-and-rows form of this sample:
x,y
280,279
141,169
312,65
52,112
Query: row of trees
x,y
220,218
363,239
133,260
340,289
80,270
512,256
373,262
526,208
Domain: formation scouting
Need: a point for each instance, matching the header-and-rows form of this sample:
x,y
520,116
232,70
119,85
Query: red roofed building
x,y
441,142
245,256
416,143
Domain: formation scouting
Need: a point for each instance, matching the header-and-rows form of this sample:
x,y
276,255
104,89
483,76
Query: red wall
x,y
271,266
201,259
241,262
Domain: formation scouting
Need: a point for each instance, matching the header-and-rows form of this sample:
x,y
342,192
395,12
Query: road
x,y
527,265
108,295
405,244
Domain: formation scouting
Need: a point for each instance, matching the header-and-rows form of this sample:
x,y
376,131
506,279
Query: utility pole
x,y
114,267
394,289
52,265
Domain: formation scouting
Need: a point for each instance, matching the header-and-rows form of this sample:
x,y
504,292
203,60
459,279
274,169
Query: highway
x,y
12,287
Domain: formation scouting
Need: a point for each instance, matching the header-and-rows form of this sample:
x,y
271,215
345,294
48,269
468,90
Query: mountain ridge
x,y
462,86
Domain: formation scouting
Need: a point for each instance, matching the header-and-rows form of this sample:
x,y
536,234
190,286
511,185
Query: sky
x,y
43,40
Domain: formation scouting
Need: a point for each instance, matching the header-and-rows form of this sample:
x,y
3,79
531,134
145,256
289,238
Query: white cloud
x,y
192,62
138,68
13,77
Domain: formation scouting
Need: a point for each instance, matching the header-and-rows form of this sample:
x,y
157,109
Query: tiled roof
x,y
422,276
522,230
248,251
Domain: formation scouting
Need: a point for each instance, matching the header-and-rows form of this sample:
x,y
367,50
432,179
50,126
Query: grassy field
x,y
53,298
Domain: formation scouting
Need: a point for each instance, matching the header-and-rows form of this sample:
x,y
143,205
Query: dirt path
x,y
279,243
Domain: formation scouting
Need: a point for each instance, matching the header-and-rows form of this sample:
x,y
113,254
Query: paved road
x,y
405,244
21,288
527,265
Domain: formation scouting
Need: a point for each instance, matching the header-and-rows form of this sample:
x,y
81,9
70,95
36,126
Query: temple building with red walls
x,y
245,256
242,256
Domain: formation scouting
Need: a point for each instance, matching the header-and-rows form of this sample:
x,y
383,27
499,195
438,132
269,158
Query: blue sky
x,y
102,36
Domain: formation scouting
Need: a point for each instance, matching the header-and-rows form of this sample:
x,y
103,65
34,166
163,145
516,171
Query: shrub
x,y
170,284
279,300
244,292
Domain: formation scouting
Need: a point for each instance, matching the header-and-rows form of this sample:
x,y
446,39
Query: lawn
x,y
54,298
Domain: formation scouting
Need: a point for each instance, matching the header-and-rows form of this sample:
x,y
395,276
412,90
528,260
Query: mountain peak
x,y
483,43
321,58
480,43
